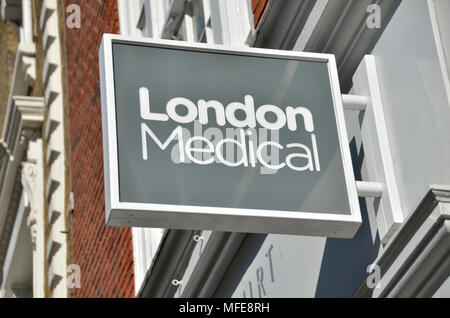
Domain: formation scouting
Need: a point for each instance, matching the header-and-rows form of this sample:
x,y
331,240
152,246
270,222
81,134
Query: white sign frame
x,y
219,218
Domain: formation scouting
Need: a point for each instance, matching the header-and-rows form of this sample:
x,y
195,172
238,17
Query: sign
x,y
207,137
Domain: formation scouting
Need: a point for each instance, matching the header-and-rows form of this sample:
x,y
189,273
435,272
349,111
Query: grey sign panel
x,y
205,137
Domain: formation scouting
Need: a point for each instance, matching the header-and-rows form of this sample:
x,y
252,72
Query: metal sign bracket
x,y
382,186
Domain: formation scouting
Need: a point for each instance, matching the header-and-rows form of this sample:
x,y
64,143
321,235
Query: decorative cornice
x,y
25,117
53,278
27,55
441,193
31,110
409,263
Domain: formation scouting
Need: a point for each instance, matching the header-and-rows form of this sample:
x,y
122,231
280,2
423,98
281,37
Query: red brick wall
x,y
258,7
104,254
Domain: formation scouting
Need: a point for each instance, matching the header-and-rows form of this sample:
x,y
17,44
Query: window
x,y
188,20
196,13
142,21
